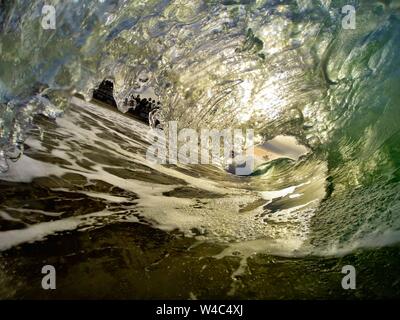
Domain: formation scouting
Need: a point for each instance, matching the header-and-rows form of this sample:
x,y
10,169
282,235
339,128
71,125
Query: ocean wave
x,y
278,67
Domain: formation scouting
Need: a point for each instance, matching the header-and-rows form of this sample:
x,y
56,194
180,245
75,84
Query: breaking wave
x,y
278,67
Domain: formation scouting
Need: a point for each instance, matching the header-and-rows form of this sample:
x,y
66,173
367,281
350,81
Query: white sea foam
x,y
26,169
40,231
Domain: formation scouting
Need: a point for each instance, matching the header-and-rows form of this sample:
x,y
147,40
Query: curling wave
x,y
278,67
